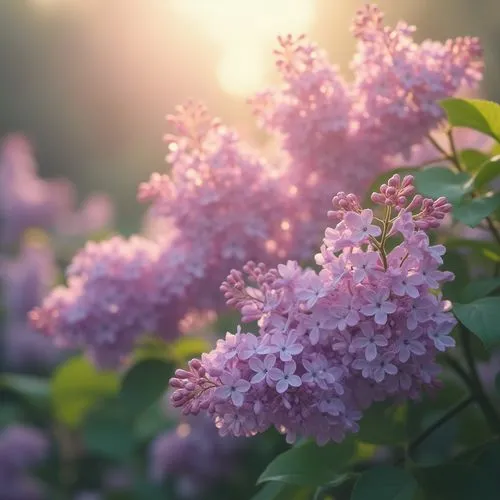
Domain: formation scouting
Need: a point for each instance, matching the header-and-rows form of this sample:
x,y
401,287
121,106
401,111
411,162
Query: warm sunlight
x,y
246,31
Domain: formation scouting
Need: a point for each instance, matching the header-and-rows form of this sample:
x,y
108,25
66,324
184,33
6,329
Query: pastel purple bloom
x,y
409,344
262,368
286,377
329,355
441,336
233,387
286,346
368,340
363,264
360,225
378,305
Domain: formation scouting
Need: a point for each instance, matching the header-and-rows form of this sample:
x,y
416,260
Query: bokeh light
x,y
246,31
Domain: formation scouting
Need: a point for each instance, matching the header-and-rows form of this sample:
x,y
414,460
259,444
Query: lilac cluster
x,y
25,280
194,457
398,83
367,327
27,201
225,205
108,301
21,448
335,131
219,190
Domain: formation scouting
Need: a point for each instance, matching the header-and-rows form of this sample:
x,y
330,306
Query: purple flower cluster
x,y
365,328
225,205
28,201
335,131
25,280
108,301
398,83
194,457
219,190
21,448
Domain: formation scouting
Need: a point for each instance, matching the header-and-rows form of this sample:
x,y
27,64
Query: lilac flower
x,y
383,366
378,305
289,273
318,372
230,346
250,346
404,283
368,340
420,310
363,264
262,368
441,336
310,289
345,311
409,344
286,377
233,387
286,346
331,405
315,324
360,225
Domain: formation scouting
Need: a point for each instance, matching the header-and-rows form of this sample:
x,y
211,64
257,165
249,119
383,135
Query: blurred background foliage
x,y
90,81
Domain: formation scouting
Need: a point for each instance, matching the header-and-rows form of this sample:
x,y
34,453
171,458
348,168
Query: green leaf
x,y
188,347
489,462
472,212
385,483
9,414
478,289
34,389
457,481
282,491
486,249
438,181
309,464
473,159
456,263
107,432
76,386
439,446
481,317
477,114
144,384
383,424
487,172
227,322
150,347
150,423
497,382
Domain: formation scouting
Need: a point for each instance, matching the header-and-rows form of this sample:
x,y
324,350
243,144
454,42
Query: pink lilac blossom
x,y
324,357
334,132
111,300
219,190
398,83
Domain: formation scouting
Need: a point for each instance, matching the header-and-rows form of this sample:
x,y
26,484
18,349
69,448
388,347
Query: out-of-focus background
x,y
89,82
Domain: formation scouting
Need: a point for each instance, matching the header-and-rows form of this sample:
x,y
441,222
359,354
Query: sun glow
x,y
246,32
